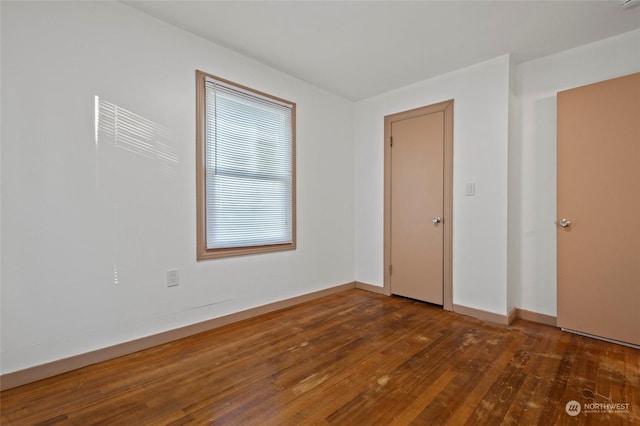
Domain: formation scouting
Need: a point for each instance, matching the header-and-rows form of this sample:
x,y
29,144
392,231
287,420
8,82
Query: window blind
x,y
248,168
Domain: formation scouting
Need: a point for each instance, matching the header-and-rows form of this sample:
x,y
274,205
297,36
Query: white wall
x,y
532,157
89,230
481,110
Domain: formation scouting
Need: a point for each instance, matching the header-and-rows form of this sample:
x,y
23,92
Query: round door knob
x,y
436,219
564,223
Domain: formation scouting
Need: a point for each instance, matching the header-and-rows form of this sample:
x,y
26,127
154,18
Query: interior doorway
x,y
598,209
418,204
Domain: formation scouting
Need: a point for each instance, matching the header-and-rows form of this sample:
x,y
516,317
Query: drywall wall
x,y
532,158
90,229
481,110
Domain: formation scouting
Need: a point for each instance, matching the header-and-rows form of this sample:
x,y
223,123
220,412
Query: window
x,y
245,170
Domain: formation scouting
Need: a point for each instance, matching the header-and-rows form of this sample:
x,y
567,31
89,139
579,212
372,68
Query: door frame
x,y
447,219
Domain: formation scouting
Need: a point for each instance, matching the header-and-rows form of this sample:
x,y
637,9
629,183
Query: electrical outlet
x,y
173,279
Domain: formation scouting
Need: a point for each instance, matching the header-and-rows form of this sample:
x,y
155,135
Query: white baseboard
x,y
484,315
372,288
536,317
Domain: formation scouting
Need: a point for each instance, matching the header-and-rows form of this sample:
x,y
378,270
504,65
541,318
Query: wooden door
x,y
599,209
417,207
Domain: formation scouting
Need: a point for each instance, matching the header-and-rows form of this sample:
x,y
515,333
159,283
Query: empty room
x,y
320,212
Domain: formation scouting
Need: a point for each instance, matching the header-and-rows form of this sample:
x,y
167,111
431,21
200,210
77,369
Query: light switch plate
x,y
470,189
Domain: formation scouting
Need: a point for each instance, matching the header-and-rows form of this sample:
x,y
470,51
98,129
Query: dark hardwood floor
x,y
352,358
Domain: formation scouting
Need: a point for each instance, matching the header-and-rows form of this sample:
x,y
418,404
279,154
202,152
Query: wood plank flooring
x,y
352,358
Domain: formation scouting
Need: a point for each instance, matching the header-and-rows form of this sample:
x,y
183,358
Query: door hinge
x,y
390,269
391,141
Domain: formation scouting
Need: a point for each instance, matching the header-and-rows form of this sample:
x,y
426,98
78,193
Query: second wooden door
x,y
417,195
599,209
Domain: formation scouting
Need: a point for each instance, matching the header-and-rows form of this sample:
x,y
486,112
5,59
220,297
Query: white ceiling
x,y
358,49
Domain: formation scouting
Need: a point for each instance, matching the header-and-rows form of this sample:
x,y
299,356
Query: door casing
x,y
447,219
